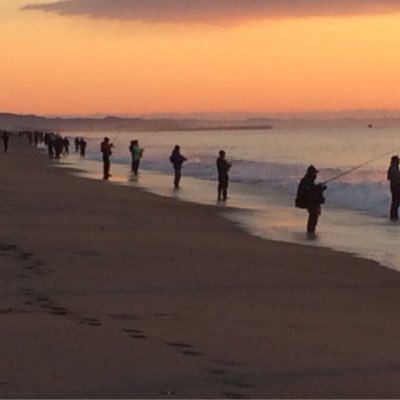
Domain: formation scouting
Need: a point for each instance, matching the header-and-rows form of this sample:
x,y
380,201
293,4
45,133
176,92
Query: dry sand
x,y
107,291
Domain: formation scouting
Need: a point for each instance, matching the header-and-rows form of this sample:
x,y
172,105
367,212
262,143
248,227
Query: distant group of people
x,y
56,145
176,159
310,195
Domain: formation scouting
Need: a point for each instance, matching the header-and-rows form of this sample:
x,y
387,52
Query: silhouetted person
x,y
5,137
77,144
177,159
136,153
393,176
36,138
30,137
66,145
82,147
105,148
223,168
310,197
49,140
58,146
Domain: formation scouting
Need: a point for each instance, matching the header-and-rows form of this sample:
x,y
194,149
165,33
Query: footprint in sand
x,y
217,371
124,316
165,315
184,348
25,255
92,321
236,384
57,310
228,363
135,333
138,336
8,247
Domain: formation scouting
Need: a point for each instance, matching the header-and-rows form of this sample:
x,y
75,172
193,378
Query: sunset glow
x,y
58,64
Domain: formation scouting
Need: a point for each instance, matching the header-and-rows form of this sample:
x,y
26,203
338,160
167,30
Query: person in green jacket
x,y
136,153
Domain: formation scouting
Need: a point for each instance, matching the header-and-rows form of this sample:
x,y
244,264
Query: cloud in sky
x,y
208,11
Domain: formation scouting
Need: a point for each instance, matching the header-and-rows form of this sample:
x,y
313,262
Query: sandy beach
x,y
111,292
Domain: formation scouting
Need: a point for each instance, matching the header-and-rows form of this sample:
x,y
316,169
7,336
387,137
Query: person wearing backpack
x,y
310,197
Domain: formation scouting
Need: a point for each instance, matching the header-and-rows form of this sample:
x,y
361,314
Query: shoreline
x,y
257,216
114,292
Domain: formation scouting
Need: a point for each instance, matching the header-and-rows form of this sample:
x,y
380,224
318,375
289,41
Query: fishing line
x,y
358,167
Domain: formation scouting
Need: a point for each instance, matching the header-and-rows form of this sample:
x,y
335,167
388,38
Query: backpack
x,y
300,203
301,197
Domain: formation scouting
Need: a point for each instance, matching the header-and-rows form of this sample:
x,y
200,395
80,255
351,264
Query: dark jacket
x,y
223,168
309,194
177,159
393,175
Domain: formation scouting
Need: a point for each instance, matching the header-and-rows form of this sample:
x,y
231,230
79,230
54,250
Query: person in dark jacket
x,y
223,168
310,196
393,176
82,147
105,148
177,159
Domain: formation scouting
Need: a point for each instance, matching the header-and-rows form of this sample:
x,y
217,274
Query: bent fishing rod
x,y
358,167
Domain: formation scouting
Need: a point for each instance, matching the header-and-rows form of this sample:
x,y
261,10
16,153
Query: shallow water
x,y
267,166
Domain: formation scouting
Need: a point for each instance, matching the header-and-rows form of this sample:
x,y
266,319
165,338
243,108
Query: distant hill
x,y
110,123
171,123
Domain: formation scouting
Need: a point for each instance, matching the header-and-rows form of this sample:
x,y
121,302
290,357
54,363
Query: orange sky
x,y
55,64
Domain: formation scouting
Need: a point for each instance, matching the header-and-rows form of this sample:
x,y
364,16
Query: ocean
x,y
267,166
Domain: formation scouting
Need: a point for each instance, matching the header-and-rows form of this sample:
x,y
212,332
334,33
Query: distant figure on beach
x,y
82,147
49,142
66,146
393,175
105,148
137,154
177,159
223,168
58,146
310,197
77,142
5,137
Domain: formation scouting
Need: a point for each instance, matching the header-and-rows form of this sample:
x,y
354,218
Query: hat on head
x,y
395,158
311,169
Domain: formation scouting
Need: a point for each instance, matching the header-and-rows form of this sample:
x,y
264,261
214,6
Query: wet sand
x,y
111,292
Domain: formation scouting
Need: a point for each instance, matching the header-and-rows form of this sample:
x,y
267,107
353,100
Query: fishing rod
x,y
358,167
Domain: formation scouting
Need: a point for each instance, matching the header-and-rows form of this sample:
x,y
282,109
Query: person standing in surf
x,y
223,168
177,159
105,149
136,153
393,176
310,197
